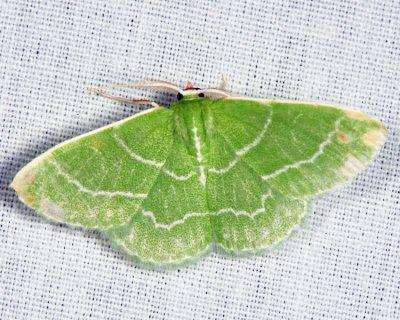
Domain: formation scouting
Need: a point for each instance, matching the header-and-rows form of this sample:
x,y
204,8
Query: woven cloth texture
x,y
343,263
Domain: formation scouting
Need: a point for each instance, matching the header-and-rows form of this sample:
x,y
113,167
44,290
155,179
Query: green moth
x,y
167,183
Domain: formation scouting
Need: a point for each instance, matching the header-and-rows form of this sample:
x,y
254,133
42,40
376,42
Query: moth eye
x,y
179,96
201,95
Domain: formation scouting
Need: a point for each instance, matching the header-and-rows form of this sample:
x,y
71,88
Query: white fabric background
x,y
344,263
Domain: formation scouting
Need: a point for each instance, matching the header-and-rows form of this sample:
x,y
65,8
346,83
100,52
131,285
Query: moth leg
x,y
102,92
219,92
223,83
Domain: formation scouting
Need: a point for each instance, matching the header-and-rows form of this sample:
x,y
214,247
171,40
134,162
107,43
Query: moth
x,y
167,184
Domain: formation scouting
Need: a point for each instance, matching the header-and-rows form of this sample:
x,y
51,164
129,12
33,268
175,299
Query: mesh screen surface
x,y
342,264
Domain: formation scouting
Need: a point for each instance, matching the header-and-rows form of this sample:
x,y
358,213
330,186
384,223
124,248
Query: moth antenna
x,y
101,92
163,86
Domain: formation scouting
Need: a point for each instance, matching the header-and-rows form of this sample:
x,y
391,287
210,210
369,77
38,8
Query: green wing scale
x,y
166,184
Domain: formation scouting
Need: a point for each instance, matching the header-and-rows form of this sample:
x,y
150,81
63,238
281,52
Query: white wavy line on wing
x,y
318,153
243,151
250,214
150,162
95,193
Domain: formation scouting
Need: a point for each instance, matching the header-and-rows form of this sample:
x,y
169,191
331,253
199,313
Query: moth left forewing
x,y
353,141
359,133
